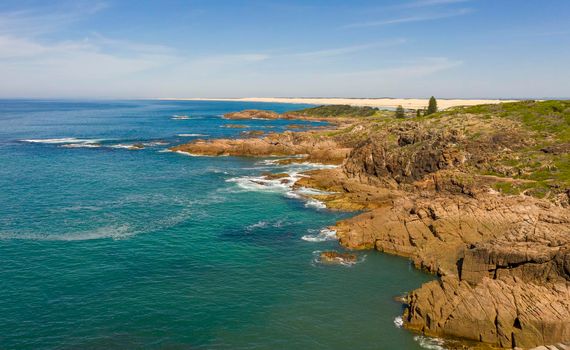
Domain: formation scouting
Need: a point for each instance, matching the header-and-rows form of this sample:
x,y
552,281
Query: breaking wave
x,y
63,140
430,343
322,235
398,322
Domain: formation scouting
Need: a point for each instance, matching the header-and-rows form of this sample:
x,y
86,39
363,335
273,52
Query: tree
x,y
418,113
400,112
432,106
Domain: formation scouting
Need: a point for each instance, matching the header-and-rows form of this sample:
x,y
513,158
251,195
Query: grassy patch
x,y
546,117
338,111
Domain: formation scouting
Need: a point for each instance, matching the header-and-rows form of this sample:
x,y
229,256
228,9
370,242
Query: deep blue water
x,y
102,247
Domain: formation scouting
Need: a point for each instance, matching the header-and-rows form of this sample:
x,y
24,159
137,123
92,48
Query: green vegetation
x,y
543,165
531,138
432,106
400,112
550,118
338,111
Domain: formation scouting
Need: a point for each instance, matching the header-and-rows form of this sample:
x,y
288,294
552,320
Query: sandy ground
x,y
410,103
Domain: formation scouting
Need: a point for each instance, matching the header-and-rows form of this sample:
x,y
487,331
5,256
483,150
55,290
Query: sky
x,y
278,48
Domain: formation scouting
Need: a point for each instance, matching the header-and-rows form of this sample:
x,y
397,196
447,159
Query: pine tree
x,y
432,106
418,113
400,112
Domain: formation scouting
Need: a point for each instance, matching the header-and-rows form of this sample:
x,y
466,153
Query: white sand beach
x,y
410,103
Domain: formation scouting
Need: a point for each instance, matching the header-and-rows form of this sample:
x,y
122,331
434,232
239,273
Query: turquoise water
x,y
102,247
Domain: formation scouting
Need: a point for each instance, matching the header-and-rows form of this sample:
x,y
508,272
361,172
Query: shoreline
x,y
408,103
427,207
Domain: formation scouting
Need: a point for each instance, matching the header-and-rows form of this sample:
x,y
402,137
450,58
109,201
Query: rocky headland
x,y
479,196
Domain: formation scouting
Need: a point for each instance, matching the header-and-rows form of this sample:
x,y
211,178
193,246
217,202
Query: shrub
x,y
400,112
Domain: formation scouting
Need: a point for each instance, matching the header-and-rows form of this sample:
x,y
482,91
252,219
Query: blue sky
x,y
264,48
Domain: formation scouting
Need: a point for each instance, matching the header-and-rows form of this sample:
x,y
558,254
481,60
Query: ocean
x,y
103,246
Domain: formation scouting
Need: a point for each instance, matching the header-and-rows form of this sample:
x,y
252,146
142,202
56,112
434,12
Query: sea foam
x,y
398,322
70,140
321,236
284,185
192,135
316,261
430,343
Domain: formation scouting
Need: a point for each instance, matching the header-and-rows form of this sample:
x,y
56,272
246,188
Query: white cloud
x,y
410,19
46,19
31,65
340,51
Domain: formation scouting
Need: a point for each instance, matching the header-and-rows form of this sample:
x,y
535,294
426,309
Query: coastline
x,y
429,206
408,103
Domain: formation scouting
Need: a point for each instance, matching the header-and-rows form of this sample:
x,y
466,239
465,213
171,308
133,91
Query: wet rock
x,y
272,176
332,257
136,147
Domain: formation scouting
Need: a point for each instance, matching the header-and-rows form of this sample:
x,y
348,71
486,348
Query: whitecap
x,y
63,140
322,236
282,185
313,203
275,161
129,146
155,143
261,183
180,117
81,145
191,154
259,224
293,194
399,322
191,135
278,223
430,343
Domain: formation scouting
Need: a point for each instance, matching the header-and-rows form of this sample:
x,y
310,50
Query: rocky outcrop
x,y
315,148
524,259
493,311
434,232
332,257
252,114
504,261
409,151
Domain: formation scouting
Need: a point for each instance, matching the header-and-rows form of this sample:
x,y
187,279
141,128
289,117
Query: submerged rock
x,y
136,147
333,257
235,126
